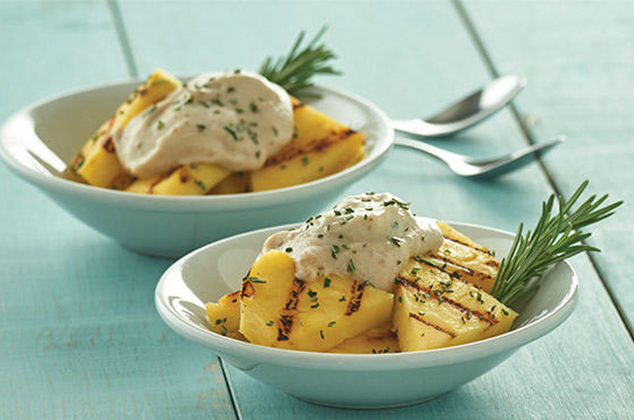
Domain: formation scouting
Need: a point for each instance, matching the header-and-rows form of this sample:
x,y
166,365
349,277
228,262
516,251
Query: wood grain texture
x,y
79,334
578,57
411,58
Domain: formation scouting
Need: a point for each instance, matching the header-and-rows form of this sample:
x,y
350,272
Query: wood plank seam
x,y
122,36
232,397
470,27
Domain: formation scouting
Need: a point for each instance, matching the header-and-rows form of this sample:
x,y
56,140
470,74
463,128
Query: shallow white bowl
x,y
38,140
350,380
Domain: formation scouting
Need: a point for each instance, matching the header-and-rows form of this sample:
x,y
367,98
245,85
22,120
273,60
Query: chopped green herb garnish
x,y
351,267
396,241
150,110
231,132
334,251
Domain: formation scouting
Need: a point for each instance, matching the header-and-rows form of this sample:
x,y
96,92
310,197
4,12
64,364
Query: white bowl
x,y
350,380
38,140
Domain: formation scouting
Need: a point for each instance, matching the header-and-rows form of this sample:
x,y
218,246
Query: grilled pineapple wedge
x,y
97,162
463,258
224,316
194,179
320,147
434,309
378,340
279,310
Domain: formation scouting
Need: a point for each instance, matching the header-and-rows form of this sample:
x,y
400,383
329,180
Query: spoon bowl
x,y
467,112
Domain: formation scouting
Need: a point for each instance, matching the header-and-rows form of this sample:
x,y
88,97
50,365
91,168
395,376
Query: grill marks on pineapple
x,y
442,298
247,290
153,185
289,153
429,324
287,317
108,144
356,293
473,247
234,296
456,270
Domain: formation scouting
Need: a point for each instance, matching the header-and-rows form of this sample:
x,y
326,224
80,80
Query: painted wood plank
x,y
410,58
578,57
79,334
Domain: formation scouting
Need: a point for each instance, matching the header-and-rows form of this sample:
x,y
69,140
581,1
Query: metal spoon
x,y
467,112
483,168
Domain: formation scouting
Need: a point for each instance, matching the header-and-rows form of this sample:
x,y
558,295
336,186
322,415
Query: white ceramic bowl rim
x,y
355,362
190,203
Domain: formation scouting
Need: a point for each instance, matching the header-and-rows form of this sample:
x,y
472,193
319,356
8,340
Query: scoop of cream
x,y
234,119
365,238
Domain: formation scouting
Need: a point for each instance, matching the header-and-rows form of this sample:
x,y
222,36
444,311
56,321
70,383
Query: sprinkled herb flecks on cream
x,y
235,120
365,238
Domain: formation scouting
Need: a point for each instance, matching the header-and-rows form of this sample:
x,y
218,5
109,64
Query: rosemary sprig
x,y
295,71
554,238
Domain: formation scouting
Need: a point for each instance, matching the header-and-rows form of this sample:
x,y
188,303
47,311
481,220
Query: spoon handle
x,y
438,153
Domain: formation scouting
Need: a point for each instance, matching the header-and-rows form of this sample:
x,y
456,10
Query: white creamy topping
x,y
235,120
365,238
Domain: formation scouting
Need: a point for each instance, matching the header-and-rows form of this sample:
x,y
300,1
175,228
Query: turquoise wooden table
x,y
79,335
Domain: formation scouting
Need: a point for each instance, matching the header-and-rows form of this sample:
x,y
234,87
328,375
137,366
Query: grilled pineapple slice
x,y
237,182
279,310
224,316
194,179
433,309
378,340
465,259
97,161
320,147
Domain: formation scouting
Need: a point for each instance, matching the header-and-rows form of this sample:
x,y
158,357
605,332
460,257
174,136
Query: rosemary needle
x,y
295,71
554,238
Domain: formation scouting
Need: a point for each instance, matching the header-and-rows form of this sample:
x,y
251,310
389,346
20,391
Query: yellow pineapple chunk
x,y
224,316
323,160
320,147
97,161
237,182
433,309
378,340
279,310
194,179
463,258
